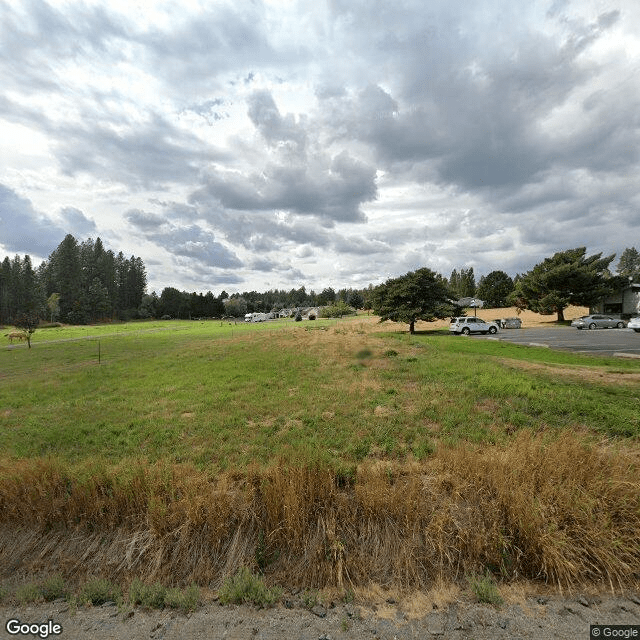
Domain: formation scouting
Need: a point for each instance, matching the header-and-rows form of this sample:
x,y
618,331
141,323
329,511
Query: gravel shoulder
x,y
538,617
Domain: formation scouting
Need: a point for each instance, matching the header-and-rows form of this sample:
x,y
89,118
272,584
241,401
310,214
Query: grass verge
x,y
330,458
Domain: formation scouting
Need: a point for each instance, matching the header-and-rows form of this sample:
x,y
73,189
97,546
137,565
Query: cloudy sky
x,y
262,144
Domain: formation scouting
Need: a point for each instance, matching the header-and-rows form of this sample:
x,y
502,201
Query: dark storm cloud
x,y
261,231
294,179
336,192
473,105
525,128
25,230
198,50
192,242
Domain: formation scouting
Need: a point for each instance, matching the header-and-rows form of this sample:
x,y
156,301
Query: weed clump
x,y
184,600
147,595
48,590
53,588
99,590
28,593
485,589
244,587
310,599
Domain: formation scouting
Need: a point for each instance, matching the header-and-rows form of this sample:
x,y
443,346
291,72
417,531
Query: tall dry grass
x,y
556,510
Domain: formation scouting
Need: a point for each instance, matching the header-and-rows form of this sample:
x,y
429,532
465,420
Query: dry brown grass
x,y
555,511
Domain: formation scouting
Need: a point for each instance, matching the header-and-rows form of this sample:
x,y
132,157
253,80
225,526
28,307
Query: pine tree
x,y
568,277
629,264
68,278
494,289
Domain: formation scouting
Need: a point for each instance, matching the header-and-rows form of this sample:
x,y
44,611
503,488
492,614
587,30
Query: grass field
x,y
343,451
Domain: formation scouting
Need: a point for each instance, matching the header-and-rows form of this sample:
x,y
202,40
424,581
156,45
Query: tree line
x,y
83,282
568,277
182,304
78,283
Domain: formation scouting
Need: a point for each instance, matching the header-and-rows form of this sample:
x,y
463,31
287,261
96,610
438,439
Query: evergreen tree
x,y
494,289
629,264
5,291
326,296
67,275
568,277
467,285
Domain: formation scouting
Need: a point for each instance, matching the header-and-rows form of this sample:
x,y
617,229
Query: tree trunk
x,y
412,326
560,315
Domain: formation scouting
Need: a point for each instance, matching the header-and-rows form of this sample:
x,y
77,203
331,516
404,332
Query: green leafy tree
x,y
567,278
494,289
418,295
236,306
337,310
28,322
53,304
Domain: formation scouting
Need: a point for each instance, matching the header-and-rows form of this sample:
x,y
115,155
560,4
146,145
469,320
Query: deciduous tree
x,y
418,295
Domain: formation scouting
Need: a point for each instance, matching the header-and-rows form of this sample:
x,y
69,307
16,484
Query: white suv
x,y
471,324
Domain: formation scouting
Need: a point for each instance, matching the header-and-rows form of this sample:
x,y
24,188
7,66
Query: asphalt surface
x,y
602,342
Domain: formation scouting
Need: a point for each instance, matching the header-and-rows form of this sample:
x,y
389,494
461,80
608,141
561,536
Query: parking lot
x,y
603,342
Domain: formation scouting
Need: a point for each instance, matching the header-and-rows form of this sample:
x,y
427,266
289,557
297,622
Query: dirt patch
x,y
580,374
418,616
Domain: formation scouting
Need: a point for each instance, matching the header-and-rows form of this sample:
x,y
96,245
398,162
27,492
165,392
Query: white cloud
x,y
250,145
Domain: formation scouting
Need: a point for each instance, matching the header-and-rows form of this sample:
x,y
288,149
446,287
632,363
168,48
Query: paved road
x,y
603,342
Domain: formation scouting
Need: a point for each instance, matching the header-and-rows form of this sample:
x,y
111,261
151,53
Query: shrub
x,y
337,310
98,591
185,600
28,593
244,587
53,588
147,595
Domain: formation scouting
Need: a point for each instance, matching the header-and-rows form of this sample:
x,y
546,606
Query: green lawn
x,y
222,395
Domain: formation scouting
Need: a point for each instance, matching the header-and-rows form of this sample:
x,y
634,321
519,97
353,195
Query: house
x,y
625,302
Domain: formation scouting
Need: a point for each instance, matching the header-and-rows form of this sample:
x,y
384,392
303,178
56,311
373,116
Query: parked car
x,y
597,322
471,324
634,324
508,323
